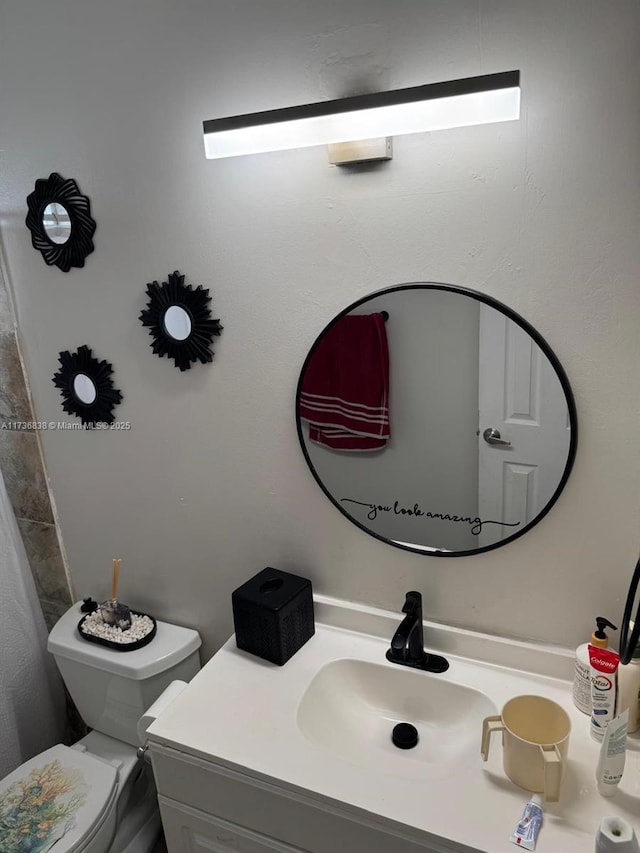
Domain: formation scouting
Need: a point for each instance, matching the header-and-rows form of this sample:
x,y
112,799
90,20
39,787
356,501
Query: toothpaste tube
x,y
526,832
604,688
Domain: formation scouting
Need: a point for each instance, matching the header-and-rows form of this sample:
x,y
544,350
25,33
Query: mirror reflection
x,y
449,428
56,223
177,323
84,389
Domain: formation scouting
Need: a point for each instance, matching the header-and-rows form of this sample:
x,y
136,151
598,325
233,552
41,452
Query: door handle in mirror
x,y
492,436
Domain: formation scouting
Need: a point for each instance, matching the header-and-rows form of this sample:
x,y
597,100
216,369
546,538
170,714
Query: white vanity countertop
x,y
240,712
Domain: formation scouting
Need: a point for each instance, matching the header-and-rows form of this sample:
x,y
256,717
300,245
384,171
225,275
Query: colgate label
x,y
604,666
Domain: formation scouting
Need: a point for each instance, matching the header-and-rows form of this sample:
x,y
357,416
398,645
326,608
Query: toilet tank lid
x,y
171,645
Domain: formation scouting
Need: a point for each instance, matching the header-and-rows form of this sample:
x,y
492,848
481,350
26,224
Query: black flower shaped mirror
x,y
87,387
179,321
59,218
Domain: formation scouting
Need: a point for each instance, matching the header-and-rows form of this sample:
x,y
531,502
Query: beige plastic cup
x,y
535,742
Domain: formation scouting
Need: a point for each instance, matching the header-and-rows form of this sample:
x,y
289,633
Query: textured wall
x,y
209,485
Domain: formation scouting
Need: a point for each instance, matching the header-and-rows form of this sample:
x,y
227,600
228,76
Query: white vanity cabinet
x,y
208,808
253,757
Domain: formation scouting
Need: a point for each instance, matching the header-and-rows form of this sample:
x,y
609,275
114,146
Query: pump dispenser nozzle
x,y
599,638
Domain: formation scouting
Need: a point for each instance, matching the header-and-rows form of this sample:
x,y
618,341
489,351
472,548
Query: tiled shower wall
x,y
22,467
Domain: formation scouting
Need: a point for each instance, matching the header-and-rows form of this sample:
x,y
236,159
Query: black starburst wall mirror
x,y
87,387
59,218
179,321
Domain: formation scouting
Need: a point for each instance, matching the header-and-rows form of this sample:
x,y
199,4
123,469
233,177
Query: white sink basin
x,y
351,707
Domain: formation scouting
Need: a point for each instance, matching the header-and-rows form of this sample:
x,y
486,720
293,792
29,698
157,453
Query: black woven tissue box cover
x,y
273,614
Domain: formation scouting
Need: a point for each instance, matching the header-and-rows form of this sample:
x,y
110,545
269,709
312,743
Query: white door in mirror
x,y
522,459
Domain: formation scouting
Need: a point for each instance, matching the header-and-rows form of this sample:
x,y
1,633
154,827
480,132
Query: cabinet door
x,y
260,812
188,830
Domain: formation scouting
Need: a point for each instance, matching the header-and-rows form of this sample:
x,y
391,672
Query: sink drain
x,y
404,736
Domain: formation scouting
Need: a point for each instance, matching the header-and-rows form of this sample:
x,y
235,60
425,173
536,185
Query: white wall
x,y
209,486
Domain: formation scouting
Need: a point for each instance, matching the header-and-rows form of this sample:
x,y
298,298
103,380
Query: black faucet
x,y
407,645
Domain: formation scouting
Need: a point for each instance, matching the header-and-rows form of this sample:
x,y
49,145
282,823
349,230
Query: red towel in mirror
x,y
345,389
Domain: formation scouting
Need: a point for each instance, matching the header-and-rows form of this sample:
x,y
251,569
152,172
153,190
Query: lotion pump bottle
x,y
582,675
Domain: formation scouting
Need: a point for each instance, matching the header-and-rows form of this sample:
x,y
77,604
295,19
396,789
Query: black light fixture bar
x,y
339,120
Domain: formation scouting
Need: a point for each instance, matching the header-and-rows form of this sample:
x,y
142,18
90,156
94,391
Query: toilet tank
x,y
112,689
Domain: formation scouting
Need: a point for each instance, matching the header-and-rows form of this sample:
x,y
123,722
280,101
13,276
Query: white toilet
x,y
97,796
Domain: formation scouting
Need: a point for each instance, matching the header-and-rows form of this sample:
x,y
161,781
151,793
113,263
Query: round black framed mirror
x,y
630,629
59,218
436,419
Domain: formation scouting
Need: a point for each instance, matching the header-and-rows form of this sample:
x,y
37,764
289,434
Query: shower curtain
x,y
31,695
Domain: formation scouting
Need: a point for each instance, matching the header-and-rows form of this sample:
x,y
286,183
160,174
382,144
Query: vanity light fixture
x,y
418,109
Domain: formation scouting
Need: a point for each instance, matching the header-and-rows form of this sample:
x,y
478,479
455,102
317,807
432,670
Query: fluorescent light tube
x,y
456,103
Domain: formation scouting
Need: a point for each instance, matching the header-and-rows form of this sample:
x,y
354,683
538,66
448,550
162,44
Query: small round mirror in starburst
x,y
179,321
87,387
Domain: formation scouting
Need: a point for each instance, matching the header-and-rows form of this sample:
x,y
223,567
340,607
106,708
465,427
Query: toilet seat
x,y
62,795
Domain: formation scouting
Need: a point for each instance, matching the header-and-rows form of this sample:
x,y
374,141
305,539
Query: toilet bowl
x,y
97,796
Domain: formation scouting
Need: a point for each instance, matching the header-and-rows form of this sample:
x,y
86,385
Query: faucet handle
x,y
413,602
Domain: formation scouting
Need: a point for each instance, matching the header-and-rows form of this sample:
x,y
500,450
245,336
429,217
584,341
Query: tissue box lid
x,y
271,588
